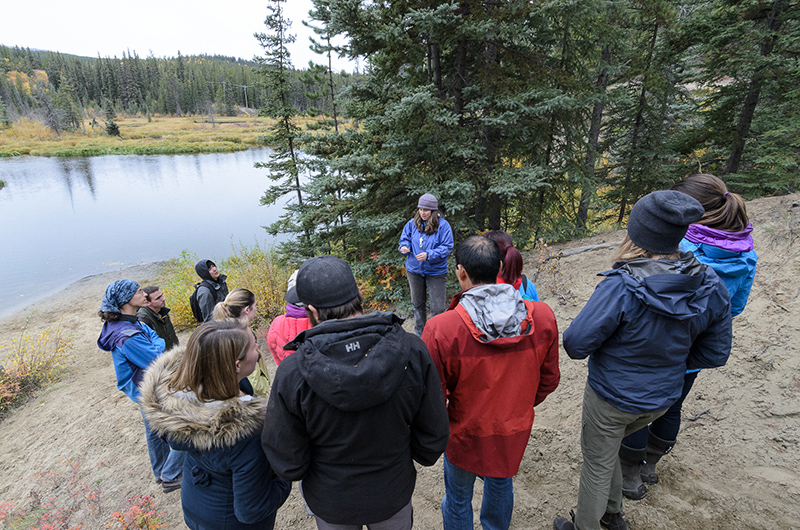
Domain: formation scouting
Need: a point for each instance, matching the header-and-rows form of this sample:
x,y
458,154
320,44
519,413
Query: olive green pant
x,y
602,429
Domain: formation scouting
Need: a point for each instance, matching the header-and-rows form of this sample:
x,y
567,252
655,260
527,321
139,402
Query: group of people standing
x,y
356,400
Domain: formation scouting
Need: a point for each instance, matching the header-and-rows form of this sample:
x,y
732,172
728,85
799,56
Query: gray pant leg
x,y
602,429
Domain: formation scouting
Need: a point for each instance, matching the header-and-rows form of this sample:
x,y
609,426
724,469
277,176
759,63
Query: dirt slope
x,y
735,465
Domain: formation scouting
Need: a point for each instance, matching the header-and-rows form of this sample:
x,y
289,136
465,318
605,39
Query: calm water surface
x,y
64,219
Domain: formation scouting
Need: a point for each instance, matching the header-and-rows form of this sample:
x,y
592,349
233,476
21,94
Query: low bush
x,y
30,363
67,500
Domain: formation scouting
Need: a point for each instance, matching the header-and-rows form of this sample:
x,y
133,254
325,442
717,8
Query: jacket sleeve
x,y
445,246
205,299
140,349
284,438
739,299
257,492
549,372
405,237
157,341
438,355
430,429
712,347
597,321
273,339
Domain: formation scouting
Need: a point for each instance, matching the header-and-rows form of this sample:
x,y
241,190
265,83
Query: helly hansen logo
x,y
353,346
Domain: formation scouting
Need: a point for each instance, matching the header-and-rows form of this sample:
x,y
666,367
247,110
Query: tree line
x,y
540,118
55,86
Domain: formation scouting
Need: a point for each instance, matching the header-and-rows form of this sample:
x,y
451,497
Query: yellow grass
x,y
162,135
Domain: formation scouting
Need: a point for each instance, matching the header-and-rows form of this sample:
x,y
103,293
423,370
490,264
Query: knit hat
x,y
325,281
659,220
291,290
118,294
428,202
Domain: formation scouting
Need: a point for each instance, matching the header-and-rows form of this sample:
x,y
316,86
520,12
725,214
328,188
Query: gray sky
x,y
89,27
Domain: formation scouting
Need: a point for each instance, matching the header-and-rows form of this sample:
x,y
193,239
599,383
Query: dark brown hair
x,y
431,225
724,210
346,310
208,367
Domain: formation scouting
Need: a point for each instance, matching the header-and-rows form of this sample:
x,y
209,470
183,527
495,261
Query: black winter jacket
x,y
348,414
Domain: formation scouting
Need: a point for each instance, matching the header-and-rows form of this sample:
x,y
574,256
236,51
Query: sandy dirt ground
x,y
735,465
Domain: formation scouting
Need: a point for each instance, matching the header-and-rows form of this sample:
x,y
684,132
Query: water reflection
x,y
63,219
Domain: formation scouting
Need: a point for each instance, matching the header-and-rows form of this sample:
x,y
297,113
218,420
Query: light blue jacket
x,y
736,269
437,245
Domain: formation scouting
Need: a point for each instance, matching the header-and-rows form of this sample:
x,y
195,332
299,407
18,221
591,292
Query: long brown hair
x,y
431,225
724,210
208,367
628,250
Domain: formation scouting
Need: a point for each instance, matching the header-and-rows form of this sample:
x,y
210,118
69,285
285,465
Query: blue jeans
x,y
498,500
422,288
167,464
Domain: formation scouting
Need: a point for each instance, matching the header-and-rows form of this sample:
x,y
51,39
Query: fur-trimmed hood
x,y
187,422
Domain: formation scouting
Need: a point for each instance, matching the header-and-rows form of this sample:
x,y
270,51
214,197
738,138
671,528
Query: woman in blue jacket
x,y
657,312
722,240
426,241
192,398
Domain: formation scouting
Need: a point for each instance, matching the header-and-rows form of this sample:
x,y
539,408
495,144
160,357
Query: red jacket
x,y
491,387
282,330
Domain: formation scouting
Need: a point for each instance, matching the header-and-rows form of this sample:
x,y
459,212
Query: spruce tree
x,y
284,165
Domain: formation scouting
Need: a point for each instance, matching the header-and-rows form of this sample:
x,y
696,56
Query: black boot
x,y
631,461
656,448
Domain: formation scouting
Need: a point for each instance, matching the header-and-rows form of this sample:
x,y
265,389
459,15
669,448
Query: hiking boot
x,y
656,448
562,523
631,462
171,485
614,521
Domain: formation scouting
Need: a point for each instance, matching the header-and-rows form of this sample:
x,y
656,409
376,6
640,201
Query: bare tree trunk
x,y
754,91
594,136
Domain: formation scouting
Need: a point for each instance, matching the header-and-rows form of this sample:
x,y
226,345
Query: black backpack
x,y
194,304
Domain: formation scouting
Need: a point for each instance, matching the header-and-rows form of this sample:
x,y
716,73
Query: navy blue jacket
x,y
228,483
645,324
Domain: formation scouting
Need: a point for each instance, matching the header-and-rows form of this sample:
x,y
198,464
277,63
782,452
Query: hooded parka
x,y
349,413
228,483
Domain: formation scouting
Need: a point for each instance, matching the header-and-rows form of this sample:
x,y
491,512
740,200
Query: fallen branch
x,y
578,250
695,418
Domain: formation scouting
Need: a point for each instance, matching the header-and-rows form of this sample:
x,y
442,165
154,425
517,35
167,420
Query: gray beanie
x,y
325,281
659,220
428,202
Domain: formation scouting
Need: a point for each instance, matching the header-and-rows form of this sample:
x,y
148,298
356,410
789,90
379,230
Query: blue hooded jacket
x,y
645,324
736,269
438,246
133,346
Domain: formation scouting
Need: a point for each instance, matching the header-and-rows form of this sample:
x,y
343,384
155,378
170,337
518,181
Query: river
x,y
64,219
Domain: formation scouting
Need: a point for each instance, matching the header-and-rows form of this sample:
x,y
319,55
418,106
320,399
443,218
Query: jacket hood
x,y
114,334
201,268
729,241
185,420
354,363
678,288
496,310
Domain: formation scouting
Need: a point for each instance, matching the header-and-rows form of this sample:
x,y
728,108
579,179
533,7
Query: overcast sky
x,y
89,27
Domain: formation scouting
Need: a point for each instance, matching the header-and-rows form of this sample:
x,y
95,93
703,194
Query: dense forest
x,y
543,118
31,81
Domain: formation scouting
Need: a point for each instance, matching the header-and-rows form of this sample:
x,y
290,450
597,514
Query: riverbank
x,y
735,464
141,136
